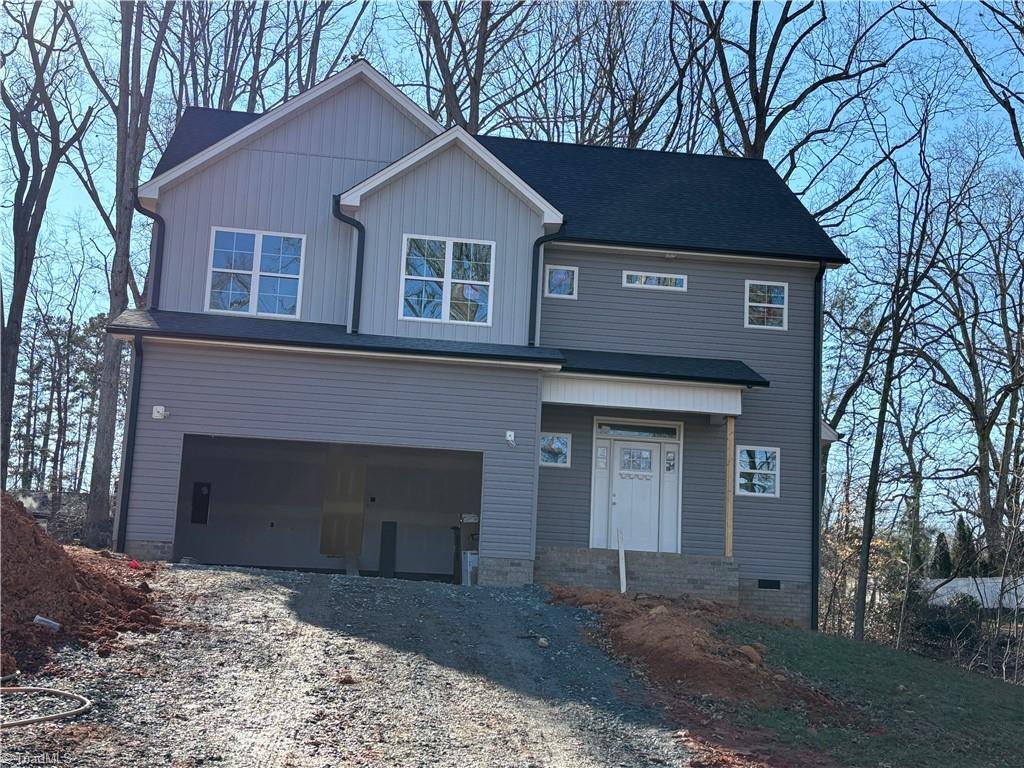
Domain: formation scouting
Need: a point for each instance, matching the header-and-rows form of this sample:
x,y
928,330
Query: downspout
x,y
537,245
128,456
357,285
157,266
816,483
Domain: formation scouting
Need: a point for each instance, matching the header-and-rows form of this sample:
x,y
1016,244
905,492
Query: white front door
x,y
635,497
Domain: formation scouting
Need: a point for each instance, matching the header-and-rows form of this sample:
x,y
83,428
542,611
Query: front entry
x,y
636,485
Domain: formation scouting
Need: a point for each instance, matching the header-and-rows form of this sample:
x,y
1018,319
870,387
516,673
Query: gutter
x,y
816,479
534,285
157,265
357,286
129,446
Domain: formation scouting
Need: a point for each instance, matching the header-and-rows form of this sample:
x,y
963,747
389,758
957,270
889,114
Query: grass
x,y
920,712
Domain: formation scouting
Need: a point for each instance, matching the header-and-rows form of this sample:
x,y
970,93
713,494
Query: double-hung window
x,y
255,273
757,471
447,280
766,305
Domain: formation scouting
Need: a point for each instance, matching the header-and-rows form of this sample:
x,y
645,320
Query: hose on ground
x,y
85,704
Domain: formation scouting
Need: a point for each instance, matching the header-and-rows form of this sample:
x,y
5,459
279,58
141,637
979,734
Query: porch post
x,y
730,478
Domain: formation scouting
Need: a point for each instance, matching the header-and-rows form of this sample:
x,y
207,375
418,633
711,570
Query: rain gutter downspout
x,y
157,266
357,285
537,245
816,478
125,487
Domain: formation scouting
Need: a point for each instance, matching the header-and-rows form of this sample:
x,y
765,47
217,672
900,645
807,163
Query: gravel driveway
x,y
279,668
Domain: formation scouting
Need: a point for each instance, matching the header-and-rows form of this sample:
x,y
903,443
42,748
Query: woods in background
x,y
897,124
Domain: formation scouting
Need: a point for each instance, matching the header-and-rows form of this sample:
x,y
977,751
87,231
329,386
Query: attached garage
x,y
395,511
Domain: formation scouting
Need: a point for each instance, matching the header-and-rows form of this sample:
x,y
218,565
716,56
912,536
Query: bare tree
x,y
45,120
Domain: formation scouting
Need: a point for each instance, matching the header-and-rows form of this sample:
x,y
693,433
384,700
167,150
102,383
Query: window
x,y
757,471
615,429
265,263
766,305
636,459
555,449
447,280
560,282
658,281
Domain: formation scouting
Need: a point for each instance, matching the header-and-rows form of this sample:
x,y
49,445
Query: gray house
x,y
376,344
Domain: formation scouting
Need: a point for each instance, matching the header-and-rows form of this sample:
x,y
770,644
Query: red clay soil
x,y
701,676
93,597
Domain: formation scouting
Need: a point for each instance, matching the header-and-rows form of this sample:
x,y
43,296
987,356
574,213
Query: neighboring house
x,y
991,592
375,343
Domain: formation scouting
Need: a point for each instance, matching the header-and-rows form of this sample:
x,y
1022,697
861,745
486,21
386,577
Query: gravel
x,y
281,668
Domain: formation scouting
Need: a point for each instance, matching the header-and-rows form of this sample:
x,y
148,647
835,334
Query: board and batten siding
x,y
283,180
233,392
772,536
449,195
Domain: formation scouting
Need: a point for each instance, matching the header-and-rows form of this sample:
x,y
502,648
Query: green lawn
x,y
920,712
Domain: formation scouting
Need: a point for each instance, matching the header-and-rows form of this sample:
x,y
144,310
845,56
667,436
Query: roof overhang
x,y
641,394
456,136
149,192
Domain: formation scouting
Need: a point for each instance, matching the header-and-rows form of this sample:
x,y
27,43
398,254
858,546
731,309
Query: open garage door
x,y
393,511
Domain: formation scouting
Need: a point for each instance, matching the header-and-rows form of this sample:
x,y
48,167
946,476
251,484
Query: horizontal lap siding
x,y
772,537
240,393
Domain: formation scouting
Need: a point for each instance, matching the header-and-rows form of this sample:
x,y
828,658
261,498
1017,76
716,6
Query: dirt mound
x,y
92,597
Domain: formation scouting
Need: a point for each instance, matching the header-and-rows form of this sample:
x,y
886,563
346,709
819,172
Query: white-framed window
x,y
446,280
555,449
560,282
766,305
255,273
757,471
658,281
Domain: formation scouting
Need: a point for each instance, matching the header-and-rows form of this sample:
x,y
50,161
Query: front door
x,y
635,495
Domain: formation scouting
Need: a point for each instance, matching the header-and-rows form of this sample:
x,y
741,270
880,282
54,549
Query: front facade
x,y
376,345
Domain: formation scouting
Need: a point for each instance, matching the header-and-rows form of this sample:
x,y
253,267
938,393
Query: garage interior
x,y
389,511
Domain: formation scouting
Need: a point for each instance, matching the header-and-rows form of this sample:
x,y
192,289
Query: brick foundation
x,y
662,573
792,601
149,550
504,572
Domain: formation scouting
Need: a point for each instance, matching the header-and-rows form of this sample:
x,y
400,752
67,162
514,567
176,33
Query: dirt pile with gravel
x,y
93,597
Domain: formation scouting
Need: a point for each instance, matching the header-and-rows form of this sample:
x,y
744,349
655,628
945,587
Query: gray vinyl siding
x,y
282,181
449,195
772,537
563,503
292,396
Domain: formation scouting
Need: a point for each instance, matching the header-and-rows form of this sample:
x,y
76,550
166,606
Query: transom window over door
x,y
447,280
255,273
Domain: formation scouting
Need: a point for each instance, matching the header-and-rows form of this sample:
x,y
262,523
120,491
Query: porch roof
x,y
697,369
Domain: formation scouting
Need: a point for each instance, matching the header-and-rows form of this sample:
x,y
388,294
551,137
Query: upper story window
x,y
255,273
757,471
560,282
659,281
447,280
766,305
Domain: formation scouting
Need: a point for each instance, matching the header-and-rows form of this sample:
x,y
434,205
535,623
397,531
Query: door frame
x,y
678,443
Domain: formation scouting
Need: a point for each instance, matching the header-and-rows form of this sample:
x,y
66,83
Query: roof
x,y
326,336
671,200
619,197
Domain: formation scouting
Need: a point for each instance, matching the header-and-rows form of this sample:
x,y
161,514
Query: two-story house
x,y
376,344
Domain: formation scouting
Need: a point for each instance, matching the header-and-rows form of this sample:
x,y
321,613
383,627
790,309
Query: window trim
x,y
777,472
255,273
746,306
642,274
446,281
568,459
575,282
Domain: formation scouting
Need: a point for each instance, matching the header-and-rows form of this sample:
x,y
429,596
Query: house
x,y
376,344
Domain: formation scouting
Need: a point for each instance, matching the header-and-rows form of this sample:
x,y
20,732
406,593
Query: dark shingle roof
x,y
668,199
258,330
621,196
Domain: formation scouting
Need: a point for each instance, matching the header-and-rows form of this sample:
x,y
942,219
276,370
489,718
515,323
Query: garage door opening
x,y
381,510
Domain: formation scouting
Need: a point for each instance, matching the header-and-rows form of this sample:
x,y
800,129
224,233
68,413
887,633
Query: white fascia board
x,y
352,198
150,190
828,435
642,394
